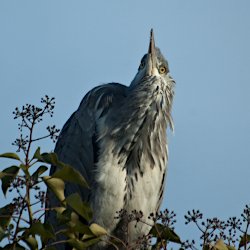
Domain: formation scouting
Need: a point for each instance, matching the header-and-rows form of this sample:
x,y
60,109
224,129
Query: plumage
x,y
117,140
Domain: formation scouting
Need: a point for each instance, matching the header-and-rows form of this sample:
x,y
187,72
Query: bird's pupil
x,y
162,69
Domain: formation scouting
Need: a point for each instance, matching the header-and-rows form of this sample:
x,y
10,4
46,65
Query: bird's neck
x,y
143,119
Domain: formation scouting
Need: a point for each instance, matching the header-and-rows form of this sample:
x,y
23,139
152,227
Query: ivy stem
x,y
18,221
40,138
29,144
27,198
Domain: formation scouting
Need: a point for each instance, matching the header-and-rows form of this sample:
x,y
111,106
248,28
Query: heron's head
x,y
152,64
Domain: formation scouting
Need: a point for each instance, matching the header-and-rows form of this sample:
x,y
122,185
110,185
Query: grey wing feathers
x,y
77,143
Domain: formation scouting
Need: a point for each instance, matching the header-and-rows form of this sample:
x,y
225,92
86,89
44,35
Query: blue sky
x,y
65,48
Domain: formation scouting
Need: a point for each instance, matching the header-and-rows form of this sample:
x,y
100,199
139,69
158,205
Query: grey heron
x,y
117,140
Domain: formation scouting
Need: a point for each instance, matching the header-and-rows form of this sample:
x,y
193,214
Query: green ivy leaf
x,y
68,173
244,240
77,244
56,185
81,228
91,241
39,171
206,247
31,242
50,158
37,154
8,175
97,230
79,206
25,169
220,245
44,230
82,244
10,156
5,215
231,248
2,174
163,232
2,234
63,215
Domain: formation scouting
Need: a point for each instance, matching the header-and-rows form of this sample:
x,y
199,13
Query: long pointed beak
x,y
151,49
151,62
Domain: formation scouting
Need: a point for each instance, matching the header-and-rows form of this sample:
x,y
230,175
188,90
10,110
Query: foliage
x,y
21,221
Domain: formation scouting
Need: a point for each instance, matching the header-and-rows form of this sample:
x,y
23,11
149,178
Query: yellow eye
x,y
142,65
162,70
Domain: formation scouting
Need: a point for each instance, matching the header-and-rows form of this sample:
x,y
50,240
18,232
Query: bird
x,y
117,139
